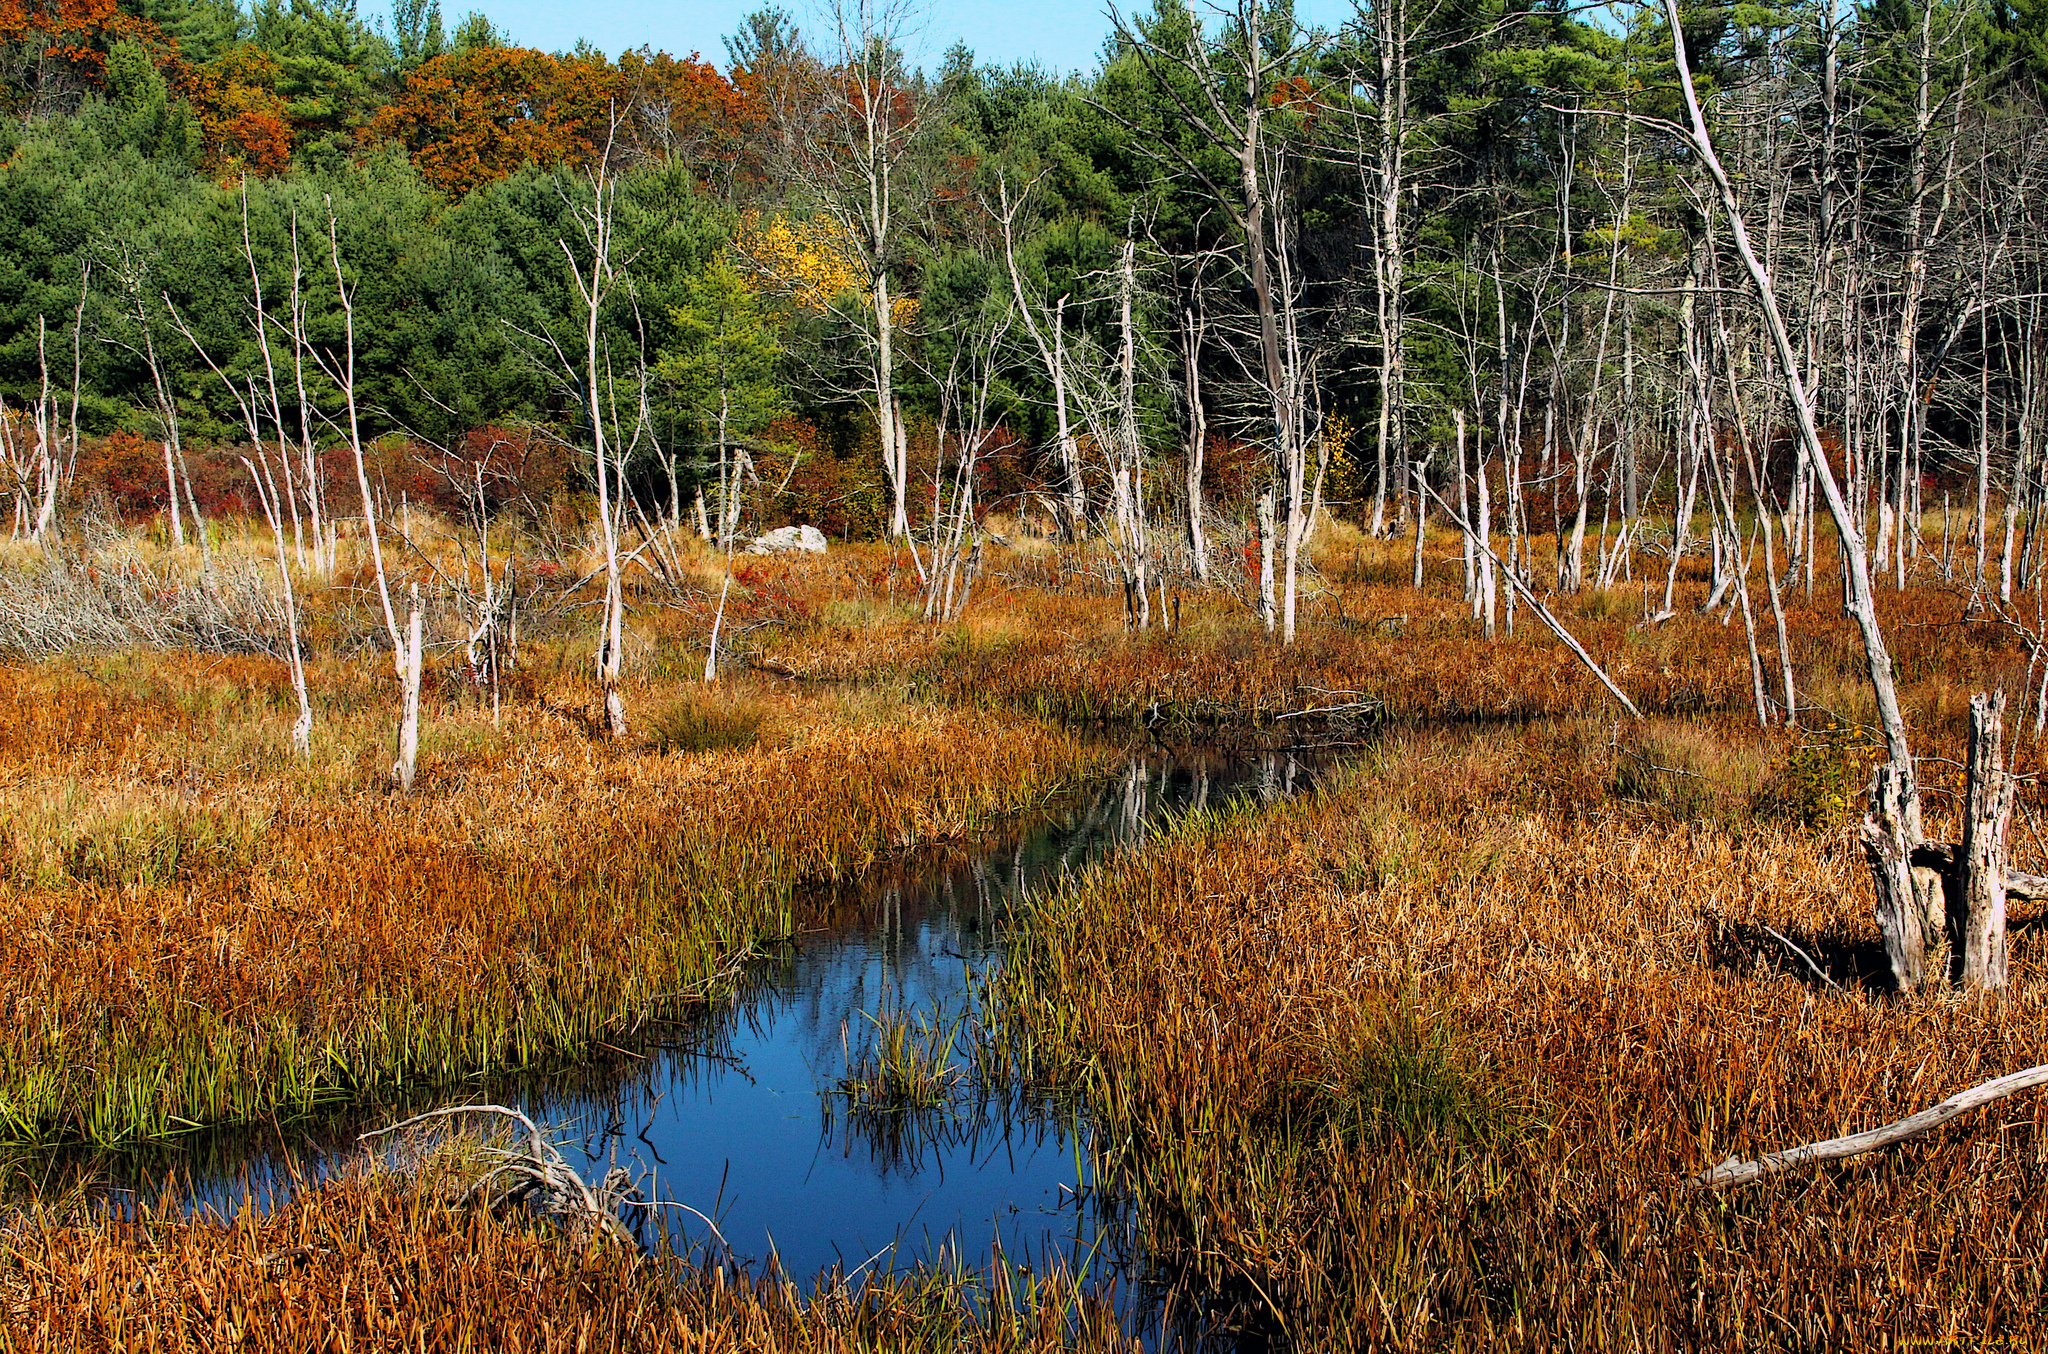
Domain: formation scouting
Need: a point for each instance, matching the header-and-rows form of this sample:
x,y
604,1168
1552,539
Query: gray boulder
x,y
789,540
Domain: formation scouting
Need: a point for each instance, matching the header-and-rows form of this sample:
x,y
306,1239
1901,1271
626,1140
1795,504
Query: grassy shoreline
x,y
1424,1062
244,946
383,1261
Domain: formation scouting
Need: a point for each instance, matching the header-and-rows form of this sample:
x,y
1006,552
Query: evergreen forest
x,y
828,275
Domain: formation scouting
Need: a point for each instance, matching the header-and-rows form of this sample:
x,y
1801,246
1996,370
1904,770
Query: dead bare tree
x,y
267,496
1912,911
261,322
1099,390
965,425
132,271
1126,453
594,276
41,479
37,466
1391,27
272,502
301,348
1225,90
1051,351
855,126
486,595
342,372
1194,328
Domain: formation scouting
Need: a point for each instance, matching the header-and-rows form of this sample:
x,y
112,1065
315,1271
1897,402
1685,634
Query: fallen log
x,y
1737,1172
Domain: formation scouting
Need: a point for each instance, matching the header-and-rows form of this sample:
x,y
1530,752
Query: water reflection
x,y
738,1113
758,1135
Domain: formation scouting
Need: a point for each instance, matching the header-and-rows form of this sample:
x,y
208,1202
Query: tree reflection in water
x,y
738,1112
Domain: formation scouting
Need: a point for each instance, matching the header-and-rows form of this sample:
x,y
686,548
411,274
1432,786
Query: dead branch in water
x,y
590,1211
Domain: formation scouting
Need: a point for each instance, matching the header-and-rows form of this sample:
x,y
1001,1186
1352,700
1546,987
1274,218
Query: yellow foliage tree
x,y
809,262
812,263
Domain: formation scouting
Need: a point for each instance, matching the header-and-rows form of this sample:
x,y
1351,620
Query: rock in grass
x,y
789,540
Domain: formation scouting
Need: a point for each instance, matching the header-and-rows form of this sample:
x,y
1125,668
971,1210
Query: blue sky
x,y
1064,35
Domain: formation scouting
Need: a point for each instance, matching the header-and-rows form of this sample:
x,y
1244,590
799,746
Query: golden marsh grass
x,y
1425,1063
1419,1064
192,932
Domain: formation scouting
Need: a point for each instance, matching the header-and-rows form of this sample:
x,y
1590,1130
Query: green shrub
x,y
1816,781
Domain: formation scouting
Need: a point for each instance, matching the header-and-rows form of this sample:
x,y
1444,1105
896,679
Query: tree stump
x,y
1942,907
1976,900
1891,832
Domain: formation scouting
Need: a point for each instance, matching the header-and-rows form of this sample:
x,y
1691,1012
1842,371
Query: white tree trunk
x,y
409,718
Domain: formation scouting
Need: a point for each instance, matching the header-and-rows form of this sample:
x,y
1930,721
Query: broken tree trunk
x,y
1910,904
409,718
1960,889
1977,898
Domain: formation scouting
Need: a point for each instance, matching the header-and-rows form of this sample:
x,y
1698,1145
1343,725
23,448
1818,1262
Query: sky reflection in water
x,y
738,1114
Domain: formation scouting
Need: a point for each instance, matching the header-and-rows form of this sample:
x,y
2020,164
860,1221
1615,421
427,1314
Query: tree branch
x,y
1735,1172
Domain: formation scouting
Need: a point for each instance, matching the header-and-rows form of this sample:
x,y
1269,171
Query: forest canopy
x,y
1267,258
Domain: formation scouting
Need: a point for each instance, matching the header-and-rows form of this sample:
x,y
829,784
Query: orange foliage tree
x,y
53,51
470,118
681,108
245,122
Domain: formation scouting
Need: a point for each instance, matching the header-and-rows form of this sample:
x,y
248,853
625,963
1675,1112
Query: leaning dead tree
x,y
1474,540
1938,907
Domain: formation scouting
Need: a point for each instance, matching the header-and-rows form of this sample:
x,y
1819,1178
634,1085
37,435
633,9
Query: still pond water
x,y
739,1115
